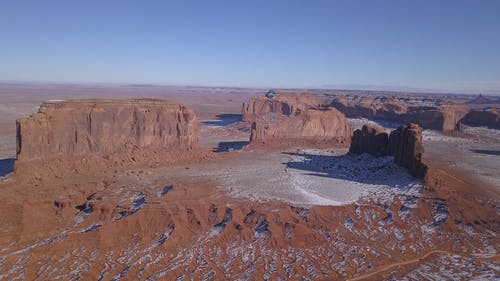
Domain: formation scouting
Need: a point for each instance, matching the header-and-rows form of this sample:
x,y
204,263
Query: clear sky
x,y
436,44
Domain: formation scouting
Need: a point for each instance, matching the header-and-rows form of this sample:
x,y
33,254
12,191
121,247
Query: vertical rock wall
x,y
80,127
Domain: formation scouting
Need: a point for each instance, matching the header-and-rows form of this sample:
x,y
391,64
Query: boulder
x,y
72,129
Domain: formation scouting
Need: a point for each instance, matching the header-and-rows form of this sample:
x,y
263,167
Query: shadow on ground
x,y
365,169
6,166
223,120
226,146
486,151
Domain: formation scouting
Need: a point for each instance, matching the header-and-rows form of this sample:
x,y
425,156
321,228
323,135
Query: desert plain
x,y
246,184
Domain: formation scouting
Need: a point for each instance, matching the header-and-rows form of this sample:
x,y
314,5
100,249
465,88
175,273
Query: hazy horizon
x,y
424,46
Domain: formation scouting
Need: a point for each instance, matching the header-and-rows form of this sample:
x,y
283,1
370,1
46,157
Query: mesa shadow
x,y
352,167
6,166
223,120
486,151
226,146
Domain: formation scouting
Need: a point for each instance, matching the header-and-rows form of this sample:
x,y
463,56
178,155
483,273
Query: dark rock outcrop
x,y
489,117
370,139
404,143
76,128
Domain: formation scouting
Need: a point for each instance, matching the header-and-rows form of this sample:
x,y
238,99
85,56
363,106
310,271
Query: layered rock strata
x,y
76,128
284,104
444,117
404,143
310,125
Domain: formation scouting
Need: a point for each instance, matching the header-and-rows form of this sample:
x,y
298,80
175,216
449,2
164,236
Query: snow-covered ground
x,y
310,177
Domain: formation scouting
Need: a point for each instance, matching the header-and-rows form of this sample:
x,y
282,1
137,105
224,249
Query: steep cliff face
x,y
309,125
285,104
444,118
489,117
404,143
364,108
370,139
80,127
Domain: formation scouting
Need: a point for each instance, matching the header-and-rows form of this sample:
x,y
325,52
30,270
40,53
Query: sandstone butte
x,y
444,117
75,128
309,126
285,104
370,139
404,143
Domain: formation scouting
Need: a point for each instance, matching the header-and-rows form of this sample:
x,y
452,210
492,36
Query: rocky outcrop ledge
x,y
75,128
404,143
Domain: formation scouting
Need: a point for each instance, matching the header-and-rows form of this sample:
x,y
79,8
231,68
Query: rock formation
x,y
370,139
76,128
285,104
310,125
404,143
442,117
364,108
489,117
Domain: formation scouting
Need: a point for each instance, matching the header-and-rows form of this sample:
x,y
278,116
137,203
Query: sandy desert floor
x,y
246,212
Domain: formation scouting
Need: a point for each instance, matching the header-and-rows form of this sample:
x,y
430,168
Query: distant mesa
x,y
280,103
480,99
75,128
404,143
438,116
310,126
488,117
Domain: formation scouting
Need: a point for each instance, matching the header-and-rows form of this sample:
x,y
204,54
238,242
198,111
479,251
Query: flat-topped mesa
x,y
488,117
444,118
364,108
281,103
404,143
76,128
312,126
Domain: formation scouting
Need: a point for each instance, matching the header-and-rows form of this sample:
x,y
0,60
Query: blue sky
x,y
435,44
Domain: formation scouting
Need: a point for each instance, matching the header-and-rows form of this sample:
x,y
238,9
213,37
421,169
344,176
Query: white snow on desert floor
x,y
310,177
